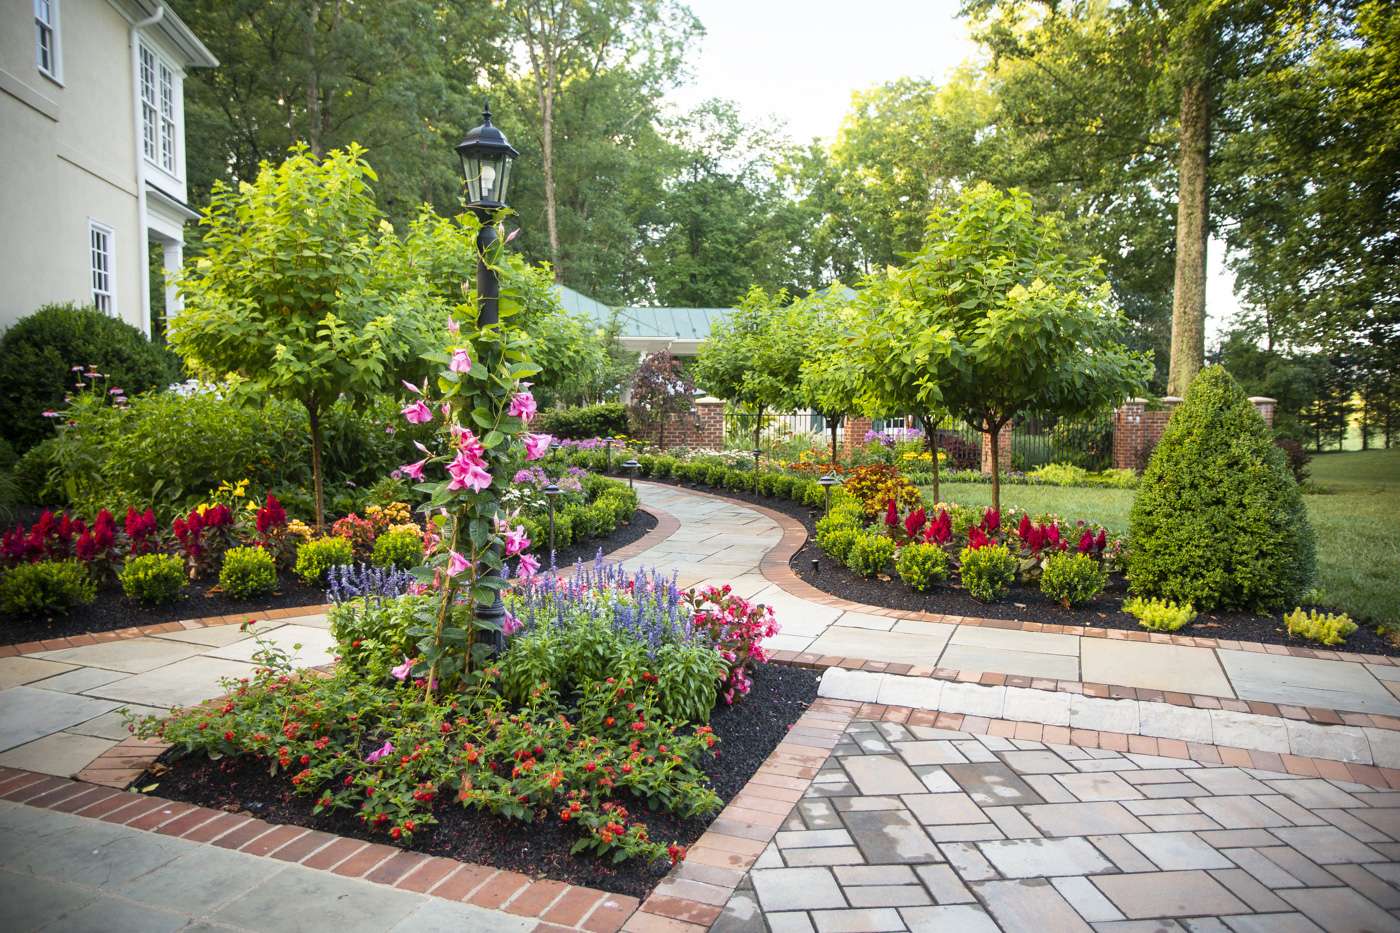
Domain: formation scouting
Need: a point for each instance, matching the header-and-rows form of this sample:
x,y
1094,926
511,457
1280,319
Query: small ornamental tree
x,y
752,358
660,389
1218,521
1005,322
291,292
829,380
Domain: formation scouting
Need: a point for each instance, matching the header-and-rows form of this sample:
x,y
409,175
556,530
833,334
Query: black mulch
x,y
1026,604
748,732
621,536
112,610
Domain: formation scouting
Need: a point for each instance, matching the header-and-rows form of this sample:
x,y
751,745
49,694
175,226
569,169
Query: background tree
x,y
752,359
1004,322
829,375
661,389
291,293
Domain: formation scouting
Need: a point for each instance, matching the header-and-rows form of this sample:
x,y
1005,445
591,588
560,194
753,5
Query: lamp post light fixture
x,y
551,492
486,157
826,482
631,466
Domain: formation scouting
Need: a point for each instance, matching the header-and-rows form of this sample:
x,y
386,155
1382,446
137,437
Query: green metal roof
x,y
657,323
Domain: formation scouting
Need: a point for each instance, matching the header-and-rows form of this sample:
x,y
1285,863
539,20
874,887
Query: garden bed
x,y
1022,603
641,523
748,733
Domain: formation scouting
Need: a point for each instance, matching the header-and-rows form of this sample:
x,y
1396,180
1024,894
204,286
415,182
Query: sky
x,y
800,61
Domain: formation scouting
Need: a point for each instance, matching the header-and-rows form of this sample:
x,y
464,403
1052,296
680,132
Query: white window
x,y
158,129
102,247
46,38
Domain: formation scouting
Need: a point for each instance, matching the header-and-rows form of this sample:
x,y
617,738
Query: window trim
x,y
155,121
54,73
96,227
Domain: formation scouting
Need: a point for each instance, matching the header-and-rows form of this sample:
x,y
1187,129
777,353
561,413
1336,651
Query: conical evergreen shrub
x,y
1218,520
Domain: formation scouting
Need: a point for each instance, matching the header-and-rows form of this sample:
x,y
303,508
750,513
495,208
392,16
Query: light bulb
x,y
488,180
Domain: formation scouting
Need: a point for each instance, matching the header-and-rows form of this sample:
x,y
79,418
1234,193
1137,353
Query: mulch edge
x,y
776,569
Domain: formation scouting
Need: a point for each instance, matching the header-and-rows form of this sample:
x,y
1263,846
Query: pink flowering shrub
x,y
737,627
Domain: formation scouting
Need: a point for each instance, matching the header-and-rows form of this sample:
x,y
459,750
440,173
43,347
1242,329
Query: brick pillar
x,y
710,430
1265,406
1003,450
1127,433
853,431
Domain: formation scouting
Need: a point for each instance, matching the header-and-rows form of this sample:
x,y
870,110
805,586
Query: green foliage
x,y
870,554
372,635
319,555
248,572
593,521
606,419
401,549
751,358
1159,615
1323,628
661,391
300,290
921,565
38,352
1072,579
1218,520
987,572
839,541
153,578
1065,474
45,589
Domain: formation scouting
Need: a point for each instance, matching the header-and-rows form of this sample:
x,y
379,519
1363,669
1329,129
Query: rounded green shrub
x,y
1159,615
593,521
607,419
987,572
45,589
319,555
782,485
248,572
664,466
38,353
1071,579
870,554
1218,520
922,565
401,549
153,579
838,543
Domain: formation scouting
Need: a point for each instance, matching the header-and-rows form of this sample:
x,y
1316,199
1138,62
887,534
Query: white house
x,y
92,152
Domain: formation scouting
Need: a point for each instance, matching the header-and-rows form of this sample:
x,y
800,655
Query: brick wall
x,y
702,428
1136,430
1003,450
853,431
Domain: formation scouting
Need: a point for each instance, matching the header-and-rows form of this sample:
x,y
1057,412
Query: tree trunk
x,y
995,433
551,214
931,440
1192,228
313,413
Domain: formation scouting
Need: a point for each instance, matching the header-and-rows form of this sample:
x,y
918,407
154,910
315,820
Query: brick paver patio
x,y
915,828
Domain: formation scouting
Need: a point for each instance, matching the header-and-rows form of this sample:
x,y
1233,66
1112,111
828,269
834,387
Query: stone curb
x,y
556,905
776,569
691,897
1366,756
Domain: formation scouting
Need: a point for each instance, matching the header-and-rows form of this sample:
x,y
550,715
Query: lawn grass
x,y
1354,512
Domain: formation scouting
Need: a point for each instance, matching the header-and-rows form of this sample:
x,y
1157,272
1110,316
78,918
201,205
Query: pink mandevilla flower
x,y
461,362
401,672
414,470
516,540
382,751
522,404
467,473
510,625
456,564
453,327
418,412
536,445
529,566
470,445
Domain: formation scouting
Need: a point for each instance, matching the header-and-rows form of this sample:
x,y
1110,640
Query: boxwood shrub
x,y
1218,520
44,589
153,579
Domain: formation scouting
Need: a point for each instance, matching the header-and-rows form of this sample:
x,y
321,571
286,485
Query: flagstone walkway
x,y
908,827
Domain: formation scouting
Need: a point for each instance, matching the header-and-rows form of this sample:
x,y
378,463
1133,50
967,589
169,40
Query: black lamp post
x,y
826,482
551,492
486,162
631,466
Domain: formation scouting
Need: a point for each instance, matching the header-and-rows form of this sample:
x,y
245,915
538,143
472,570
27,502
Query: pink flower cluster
x,y
737,628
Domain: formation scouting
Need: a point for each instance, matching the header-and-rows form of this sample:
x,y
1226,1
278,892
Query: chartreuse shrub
x,y
247,572
870,554
319,555
402,549
385,751
1159,615
153,578
987,572
1324,628
1218,520
45,589
838,543
1071,579
922,565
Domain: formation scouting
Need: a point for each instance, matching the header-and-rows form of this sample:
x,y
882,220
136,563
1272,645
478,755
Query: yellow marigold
x,y
408,526
299,528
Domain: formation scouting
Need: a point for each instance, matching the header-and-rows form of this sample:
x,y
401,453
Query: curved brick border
x,y
776,569
558,906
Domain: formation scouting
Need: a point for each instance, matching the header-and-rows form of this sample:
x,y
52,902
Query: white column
x,y
172,257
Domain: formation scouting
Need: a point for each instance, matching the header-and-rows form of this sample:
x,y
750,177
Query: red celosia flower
x,y
891,515
915,521
1023,530
1101,541
976,538
1086,541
